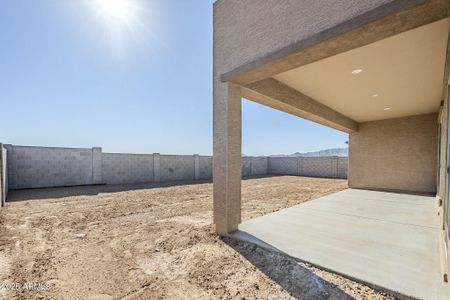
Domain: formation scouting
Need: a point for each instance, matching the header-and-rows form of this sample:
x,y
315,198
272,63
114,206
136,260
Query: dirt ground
x,y
155,242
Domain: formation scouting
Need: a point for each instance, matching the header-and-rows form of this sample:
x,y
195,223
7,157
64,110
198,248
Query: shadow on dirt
x,y
295,279
91,190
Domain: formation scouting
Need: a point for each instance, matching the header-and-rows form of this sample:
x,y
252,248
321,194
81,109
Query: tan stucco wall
x,y
248,30
443,149
444,209
395,154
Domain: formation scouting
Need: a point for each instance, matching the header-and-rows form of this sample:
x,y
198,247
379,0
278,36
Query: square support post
x,y
227,157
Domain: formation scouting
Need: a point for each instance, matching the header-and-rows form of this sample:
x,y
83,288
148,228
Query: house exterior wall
x,y
443,154
443,176
259,28
395,154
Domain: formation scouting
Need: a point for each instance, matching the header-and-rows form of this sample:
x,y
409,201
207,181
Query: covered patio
x,y
377,70
389,241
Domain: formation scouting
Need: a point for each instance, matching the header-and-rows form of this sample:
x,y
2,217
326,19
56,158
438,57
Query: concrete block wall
x,y
246,166
205,167
177,167
330,167
120,168
342,167
319,167
36,167
283,166
259,165
97,165
253,166
40,167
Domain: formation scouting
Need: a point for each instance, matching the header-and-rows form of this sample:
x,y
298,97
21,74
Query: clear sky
x,y
78,73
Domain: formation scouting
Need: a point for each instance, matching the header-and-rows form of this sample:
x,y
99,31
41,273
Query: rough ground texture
x,y
156,242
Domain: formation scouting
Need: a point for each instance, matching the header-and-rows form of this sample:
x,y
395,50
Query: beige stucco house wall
x,y
396,154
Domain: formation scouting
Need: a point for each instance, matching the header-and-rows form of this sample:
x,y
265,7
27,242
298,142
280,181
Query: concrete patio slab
x,y
387,240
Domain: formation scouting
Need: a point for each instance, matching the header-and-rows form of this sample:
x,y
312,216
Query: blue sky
x,y
71,75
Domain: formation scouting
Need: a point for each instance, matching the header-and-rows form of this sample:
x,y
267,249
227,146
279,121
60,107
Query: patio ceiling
x,y
399,76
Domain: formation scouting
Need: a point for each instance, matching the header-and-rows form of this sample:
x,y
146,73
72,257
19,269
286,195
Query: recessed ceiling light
x,y
387,108
375,95
356,71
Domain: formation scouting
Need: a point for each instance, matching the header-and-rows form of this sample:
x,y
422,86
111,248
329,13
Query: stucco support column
x,y
227,157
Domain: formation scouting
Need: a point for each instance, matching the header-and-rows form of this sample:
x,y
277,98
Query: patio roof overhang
x,y
385,21
402,58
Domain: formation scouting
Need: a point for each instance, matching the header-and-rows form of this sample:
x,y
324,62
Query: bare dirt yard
x,y
155,242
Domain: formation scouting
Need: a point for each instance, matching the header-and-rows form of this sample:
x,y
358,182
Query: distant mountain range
x,y
326,152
